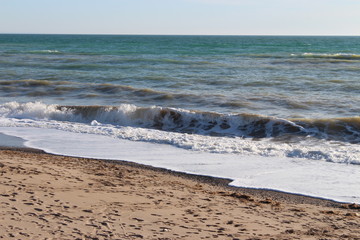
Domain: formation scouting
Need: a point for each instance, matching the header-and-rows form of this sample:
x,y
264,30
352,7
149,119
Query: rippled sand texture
x,y
45,196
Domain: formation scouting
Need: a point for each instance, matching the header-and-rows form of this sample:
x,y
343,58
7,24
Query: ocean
x,y
272,112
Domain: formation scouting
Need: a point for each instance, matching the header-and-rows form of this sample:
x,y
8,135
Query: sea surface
x,y
277,112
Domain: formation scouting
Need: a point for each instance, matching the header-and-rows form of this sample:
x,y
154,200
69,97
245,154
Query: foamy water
x,y
206,132
314,178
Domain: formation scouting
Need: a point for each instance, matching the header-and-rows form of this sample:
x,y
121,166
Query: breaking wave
x,y
191,122
332,140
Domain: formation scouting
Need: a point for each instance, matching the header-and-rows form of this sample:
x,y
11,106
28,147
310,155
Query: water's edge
x,y
12,143
8,141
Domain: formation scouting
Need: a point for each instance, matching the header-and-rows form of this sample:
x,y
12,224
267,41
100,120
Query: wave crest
x,y
192,122
344,56
236,134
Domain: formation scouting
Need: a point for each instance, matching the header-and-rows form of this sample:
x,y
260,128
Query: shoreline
x,y
51,196
215,181
9,142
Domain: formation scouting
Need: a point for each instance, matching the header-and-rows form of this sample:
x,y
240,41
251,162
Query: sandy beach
x,y
44,196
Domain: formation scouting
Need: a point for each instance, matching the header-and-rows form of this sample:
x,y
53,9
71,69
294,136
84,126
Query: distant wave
x,y
345,56
48,51
45,51
337,56
33,88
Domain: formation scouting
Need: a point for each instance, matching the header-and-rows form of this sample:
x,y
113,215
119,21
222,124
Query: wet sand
x,y
44,196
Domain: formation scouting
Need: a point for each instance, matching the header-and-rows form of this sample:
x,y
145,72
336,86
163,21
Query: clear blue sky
x,y
233,17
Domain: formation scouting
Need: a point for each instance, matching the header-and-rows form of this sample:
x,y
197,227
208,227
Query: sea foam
x,y
253,135
293,175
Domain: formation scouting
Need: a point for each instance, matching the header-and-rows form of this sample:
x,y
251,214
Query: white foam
x,y
45,51
332,55
42,116
315,178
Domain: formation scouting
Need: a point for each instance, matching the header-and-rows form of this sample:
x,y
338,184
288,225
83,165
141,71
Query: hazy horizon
x,y
214,35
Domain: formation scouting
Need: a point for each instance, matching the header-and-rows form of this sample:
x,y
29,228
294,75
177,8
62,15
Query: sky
x,y
181,17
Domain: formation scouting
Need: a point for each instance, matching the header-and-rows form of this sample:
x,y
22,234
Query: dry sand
x,y
44,196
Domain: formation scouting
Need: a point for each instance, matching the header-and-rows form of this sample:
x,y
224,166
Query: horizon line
x,y
147,34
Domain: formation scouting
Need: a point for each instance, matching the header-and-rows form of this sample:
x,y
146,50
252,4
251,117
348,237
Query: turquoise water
x,y
289,90
287,77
